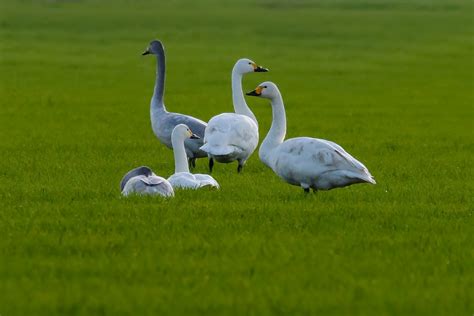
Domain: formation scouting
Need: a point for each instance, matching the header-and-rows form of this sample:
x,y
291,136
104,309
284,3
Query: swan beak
x,y
256,93
260,69
146,52
194,136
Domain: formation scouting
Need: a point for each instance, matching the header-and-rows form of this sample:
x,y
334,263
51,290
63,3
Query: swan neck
x,y
180,157
277,132
240,106
157,99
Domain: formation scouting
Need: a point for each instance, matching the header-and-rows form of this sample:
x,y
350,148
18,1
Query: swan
x,y
143,180
233,136
162,121
304,161
182,178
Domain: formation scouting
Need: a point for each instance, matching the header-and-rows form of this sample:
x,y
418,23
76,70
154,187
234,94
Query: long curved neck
x,y
157,98
240,106
180,161
277,132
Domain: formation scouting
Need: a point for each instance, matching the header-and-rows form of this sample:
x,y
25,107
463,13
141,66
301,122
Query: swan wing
x,y
164,124
340,151
304,159
183,180
207,180
152,185
196,125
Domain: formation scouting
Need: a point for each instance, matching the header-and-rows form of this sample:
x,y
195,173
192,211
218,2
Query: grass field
x,y
391,81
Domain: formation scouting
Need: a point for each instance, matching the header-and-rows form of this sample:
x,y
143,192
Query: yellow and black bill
x,y
256,93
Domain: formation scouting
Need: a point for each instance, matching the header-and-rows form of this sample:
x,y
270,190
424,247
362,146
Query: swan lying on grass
x,y
182,178
144,181
303,161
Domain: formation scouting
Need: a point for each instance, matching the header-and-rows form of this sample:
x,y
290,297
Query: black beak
x,y
260,69
194,136
146,52
253,93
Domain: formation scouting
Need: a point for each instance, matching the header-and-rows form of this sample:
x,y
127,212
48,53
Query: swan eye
x,y
265,87
250,63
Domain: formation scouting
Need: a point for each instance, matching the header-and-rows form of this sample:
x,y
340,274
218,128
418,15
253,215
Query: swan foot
x,y
211,164
239,168
306,190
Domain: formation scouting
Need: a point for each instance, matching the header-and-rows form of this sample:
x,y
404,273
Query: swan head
x,y
267,90
245,66
140,171
182,131
155,47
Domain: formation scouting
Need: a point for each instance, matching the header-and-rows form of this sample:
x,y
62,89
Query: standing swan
x,y
143,180
163,121
233,136
182,178
304,161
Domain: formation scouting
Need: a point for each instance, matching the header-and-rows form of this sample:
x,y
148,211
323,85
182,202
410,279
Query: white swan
x,y
143,180
162,121
233,136
182,178
303,161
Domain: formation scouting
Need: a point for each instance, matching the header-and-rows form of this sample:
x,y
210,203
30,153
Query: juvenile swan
x,y
182,178
303,161
143,180
163,121
233,136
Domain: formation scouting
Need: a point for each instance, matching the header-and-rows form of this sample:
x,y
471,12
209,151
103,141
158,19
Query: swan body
x,y
182,178
144,181
233,136
304,161
186,180
162,121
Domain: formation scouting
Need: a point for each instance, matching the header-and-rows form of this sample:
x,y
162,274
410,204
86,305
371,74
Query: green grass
x,y
391,81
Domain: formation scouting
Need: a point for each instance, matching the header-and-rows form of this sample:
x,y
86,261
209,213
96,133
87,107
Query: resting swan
x,y
143,180
182,178
303,161
163,121
233,136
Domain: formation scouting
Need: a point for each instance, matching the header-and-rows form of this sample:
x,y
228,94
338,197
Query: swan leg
x,y
211,164
305,187
192,162
240,166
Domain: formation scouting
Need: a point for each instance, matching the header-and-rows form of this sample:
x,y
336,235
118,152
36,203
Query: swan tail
x,y
367,177
220,150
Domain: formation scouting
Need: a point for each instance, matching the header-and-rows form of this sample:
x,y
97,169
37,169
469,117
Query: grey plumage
x,y
162,121
143,180
139,171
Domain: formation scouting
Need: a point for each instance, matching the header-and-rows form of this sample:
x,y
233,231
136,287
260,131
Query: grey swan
x,y
162,121
144,181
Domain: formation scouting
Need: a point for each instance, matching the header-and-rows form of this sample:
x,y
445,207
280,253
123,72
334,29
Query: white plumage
x,y
233,136
186,180
304,161
182,178
230,137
